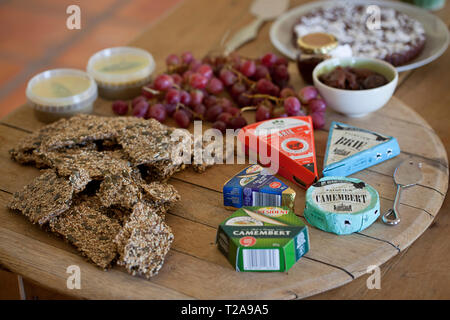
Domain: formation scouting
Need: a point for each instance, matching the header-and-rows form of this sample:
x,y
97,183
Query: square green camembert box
x,y
263,239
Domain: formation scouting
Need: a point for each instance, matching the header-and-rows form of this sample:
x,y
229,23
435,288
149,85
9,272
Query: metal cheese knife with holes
x,y
263,10
407,174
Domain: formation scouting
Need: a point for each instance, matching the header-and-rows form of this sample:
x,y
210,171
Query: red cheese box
x,y
292,138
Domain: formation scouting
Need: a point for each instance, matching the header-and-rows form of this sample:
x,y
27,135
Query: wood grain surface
x,y
194,267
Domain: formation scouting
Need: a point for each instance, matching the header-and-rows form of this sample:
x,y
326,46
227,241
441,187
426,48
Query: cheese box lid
x,y
351,149
293,139
265,239
341,205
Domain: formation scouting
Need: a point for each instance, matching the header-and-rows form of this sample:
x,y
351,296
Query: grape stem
x,y
152,91
248,108
265,96
241,76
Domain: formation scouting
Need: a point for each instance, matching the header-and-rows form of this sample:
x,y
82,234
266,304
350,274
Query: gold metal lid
x,y
317,42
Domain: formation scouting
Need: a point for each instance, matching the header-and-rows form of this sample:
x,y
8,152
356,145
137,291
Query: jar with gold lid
x,y
315,48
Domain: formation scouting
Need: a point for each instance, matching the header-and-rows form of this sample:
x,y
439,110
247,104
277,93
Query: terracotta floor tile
x,y
88,7
145,11
108,34
8,69
29,34
13,100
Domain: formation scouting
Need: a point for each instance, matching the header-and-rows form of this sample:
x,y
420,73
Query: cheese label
x,y
341,205
351,149
263,239
255,186
340,196
293,139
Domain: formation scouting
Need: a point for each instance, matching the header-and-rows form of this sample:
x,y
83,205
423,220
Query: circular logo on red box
x,y
247,241
275,185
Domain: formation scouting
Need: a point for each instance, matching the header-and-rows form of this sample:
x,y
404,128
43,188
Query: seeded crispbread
x,y
143,242
117,190
160,194
44,198
90,231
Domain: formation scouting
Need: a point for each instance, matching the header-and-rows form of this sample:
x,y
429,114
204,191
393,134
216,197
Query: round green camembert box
x,y
341,205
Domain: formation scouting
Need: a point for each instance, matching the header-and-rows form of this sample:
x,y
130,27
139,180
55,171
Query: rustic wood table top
x,y
414,256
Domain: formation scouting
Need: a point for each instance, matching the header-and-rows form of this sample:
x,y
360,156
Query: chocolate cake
x,y
397,38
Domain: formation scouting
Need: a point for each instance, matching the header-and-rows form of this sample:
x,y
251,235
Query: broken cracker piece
x,y
44,198
143,242
90,231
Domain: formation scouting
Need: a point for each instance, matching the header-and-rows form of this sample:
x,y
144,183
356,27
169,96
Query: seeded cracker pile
x,y
104,187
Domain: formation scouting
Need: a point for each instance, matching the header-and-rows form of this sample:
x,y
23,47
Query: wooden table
x,y
194,267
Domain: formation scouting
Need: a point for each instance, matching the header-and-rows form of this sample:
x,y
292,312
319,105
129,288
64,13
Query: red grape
x,y
261,72
196,97
234,111
140,110
268,59
137,100
177,79
187,75
225,117
163,82
172,60
248,68
212,113
264,86
244,100
228,77
281,61
238,122
210,101
198,81
318,119
317,105
237,89
199,110
170,108
182,118
220,125
215,86
120,107
280,75
185,97
292,105
307,93
194,65
225,103
262,113
158,112
186,57
287,92
205,70
173,96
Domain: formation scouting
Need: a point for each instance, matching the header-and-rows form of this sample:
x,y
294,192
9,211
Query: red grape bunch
x,y
219,89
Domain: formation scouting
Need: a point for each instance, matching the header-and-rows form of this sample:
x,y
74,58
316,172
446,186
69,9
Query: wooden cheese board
x,y
194,267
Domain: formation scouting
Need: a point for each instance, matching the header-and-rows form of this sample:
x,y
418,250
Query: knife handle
x,y
244,35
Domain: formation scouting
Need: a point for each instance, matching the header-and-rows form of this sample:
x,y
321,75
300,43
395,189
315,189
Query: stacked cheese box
x,y
264,234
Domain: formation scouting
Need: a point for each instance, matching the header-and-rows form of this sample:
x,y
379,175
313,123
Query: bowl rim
x,y
339,59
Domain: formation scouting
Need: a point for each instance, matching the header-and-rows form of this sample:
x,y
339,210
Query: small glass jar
x,y
315,48
61,93
120,72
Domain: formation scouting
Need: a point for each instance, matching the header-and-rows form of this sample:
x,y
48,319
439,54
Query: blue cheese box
x,y
351,149
255,186
341,205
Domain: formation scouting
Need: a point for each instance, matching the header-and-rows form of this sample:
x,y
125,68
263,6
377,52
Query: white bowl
x,y
356,103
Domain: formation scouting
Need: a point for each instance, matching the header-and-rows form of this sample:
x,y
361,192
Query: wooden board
x,y
194,267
